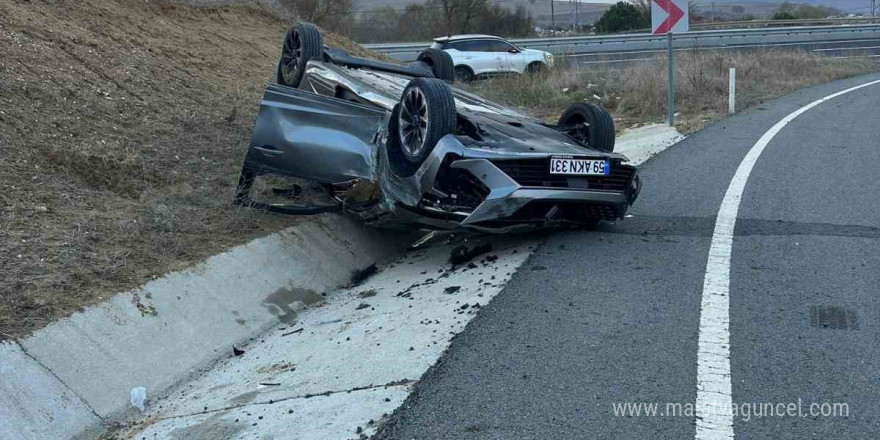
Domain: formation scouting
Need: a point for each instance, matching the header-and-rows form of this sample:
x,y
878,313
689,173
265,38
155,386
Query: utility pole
x,y
553,15
713,11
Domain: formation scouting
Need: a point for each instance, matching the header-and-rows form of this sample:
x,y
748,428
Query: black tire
x,y
440,63
302,43
427,113
535,68
589,124
464,74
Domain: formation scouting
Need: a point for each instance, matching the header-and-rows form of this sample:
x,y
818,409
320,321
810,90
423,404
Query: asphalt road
x,y
609,317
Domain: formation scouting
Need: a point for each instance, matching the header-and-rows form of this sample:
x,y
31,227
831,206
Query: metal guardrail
x,y
779,23
635,42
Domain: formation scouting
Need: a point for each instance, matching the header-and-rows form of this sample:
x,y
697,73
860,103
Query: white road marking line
x,y
714,399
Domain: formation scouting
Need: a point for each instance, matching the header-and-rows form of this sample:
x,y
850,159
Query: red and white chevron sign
x,y
669,16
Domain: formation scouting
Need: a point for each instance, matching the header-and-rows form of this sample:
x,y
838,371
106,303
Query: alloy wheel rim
x,y
292,54
413,121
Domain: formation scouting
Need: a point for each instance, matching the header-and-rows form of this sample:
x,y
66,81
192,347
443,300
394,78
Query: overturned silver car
x,y
398,146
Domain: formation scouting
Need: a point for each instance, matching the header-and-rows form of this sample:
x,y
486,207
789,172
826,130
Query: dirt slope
x,y
122,127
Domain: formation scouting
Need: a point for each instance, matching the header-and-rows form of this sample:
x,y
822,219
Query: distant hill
x,y
852,6
564,11
566,14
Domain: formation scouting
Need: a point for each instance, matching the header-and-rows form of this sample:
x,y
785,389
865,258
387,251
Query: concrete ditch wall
x,y
71,378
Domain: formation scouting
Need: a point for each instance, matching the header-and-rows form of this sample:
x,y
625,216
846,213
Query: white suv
x,y
485,55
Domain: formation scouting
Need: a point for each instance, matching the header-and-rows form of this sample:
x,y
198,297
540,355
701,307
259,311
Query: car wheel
x,y
464,74
535,68
440,63
302,43
427,113
590,125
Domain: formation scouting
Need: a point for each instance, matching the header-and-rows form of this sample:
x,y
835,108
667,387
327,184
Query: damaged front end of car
x,y
481,190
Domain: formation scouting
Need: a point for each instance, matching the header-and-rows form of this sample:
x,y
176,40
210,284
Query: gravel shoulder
x,y
122,128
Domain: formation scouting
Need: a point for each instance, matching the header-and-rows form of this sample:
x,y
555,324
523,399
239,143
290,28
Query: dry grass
x,y
638,92
123,124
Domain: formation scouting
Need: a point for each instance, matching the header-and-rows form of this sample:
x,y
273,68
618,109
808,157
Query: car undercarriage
x,y
398,147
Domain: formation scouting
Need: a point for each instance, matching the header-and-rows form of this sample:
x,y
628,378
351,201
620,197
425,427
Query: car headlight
x,y
548,58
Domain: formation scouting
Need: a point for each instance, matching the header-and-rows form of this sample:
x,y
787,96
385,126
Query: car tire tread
x,y
602,132
313,47
440,63
441,111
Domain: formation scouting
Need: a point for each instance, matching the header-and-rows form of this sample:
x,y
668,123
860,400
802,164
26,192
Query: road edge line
x,y
714,417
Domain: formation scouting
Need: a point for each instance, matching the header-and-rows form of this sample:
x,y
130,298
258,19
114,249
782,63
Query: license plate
x,y
579,167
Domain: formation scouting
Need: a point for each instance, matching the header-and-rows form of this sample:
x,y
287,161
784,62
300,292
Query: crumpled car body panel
x,y
492,175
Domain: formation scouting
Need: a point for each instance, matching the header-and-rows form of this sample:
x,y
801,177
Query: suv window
x,y
471,45
501,46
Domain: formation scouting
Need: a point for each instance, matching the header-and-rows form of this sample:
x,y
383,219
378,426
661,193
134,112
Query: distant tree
x,y
413,21
459,15
624,16
694,13
784,12
642,5
815,12
421,21
377,26
332,14
498,20
737,9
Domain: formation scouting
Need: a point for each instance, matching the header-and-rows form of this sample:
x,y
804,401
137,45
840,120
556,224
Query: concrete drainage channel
x,y
329,371
73,377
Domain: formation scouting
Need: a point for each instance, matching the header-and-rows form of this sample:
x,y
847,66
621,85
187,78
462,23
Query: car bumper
x,y
508,201
507,204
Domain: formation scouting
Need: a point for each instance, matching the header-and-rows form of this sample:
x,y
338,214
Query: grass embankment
x,y
123,124
638,92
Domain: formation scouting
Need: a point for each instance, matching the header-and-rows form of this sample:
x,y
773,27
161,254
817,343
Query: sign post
x,y
668,17
671,81
731,99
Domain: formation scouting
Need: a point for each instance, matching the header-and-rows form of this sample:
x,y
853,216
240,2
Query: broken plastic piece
x,y
139,398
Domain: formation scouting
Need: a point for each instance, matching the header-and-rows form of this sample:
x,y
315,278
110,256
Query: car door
x,y
315,137
478,54
513,60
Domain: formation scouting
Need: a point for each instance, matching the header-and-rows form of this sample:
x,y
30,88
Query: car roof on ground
x,y
465,37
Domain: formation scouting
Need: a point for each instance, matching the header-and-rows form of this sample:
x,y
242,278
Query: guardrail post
x,y
671,81
731,99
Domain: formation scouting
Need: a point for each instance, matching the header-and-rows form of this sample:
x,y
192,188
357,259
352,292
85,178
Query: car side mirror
x,y
513,50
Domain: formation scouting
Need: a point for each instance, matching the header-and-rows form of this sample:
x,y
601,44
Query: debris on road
x,y
368,293
362,306
237,351
293,332
461,254
451,289
139,398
